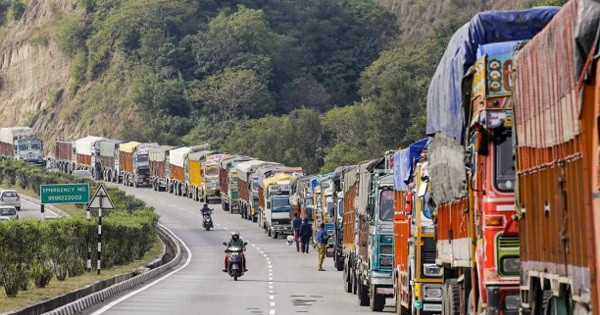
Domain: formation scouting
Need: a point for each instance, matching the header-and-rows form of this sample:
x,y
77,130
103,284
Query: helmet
x,y
206,205
290,240
235,235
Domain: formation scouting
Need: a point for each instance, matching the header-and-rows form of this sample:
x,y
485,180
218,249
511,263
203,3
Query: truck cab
x,y
29,150
277,208
141,164
210,182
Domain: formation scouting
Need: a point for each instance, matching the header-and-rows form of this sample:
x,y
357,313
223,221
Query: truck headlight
x,y
432,292
432,270
510,265
386,261
512,302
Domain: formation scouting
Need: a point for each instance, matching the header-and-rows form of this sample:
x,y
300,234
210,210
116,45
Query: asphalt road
x,y
279,280
30,210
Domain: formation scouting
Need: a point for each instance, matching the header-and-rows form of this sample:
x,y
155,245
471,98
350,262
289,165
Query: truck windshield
x,y
386,205
280,202
341,208
142,158
212,171
36,145
23,146
504,168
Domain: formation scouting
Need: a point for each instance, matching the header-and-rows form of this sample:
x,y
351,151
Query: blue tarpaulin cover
x,y
445,111
403,163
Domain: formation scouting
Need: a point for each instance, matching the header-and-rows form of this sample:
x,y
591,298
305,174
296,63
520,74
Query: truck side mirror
x,y
371,210
408,205
225,243
268,204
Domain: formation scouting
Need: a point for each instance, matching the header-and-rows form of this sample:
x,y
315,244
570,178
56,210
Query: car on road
x,y
10,198
83,173
8,213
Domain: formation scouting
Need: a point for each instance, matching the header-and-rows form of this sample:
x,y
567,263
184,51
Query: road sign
x,y
101,199
66,193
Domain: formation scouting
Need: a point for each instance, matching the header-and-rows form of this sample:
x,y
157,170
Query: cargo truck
x,y
21,143
557,97
228,182
263,173
369,260
86,154
210,190
469,110
298,190
326,211
159,167
176,172
65,156
277,205
108,151
248,187
134,163
417,279
194,179
338,209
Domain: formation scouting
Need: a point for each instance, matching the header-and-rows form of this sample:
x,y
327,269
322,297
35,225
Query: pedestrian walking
x,y
296,224
322,238
305,234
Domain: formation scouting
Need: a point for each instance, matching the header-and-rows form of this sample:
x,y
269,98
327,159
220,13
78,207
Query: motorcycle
x,y
207,223
235,261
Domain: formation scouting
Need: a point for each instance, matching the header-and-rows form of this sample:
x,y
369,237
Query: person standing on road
x,y
305,234
296,224
322,238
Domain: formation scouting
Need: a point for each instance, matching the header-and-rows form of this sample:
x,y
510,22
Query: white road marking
x,y
146,287
272,312
271,297
272,304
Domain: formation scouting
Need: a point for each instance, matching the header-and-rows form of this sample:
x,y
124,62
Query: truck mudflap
x,y
385,290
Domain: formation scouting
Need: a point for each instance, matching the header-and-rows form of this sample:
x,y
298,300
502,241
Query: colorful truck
x,y
159,167
277,205
21,143
86,153
326,211
211,190
108,155
65,156
338,201
134,163
469,109
557,97
228,182
297,194
368,256
417,279
193,171
248,187
176,172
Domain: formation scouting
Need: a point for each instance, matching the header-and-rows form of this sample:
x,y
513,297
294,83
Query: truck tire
x,y
275,235
339,263
376,301
450,297
363,293
347,279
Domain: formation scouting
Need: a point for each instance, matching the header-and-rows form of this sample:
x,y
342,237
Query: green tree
x,y
71,34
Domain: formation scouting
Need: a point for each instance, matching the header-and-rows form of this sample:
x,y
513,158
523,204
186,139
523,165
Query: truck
x,y
338,201
193,165
469,115
417,279
368,258
277,205
65,156
228,182
85,154
263,173
134,163
326,212
108,156
159,167
176,171
248,187
556,115
21,143
298,190
211,191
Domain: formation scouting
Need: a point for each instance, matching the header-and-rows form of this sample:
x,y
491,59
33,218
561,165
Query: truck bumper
x,y
282,229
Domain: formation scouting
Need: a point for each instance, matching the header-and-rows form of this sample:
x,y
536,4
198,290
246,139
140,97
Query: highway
x,y
30,210
279,280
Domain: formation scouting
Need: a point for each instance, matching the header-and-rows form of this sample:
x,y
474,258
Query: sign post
x,y
100,201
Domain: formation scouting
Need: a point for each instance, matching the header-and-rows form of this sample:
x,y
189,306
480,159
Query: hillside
x,y
316,84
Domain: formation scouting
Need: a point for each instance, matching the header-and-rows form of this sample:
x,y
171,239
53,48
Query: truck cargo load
x,y
228,182
159,167
556,122
108,153
21,143
84,149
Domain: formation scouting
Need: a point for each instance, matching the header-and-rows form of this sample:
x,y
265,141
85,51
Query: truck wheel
x,y
347,280
363,293
275,234
376,301
450,297
339,263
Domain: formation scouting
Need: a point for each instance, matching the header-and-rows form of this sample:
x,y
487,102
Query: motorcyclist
x,y
235,241
205,209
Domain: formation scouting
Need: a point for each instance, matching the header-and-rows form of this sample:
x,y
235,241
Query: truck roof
x,y
84,145
128,147
227,162
177,156
197,156
159,154
144,148
8,135
278,178
404,162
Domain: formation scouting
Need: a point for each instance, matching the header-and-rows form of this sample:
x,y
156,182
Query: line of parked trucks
x,y
495,212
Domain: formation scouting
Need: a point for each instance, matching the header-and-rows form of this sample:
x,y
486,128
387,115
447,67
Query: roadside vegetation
x,y
34,252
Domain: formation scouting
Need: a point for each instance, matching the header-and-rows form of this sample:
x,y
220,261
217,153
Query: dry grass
x,y
55,288
70,209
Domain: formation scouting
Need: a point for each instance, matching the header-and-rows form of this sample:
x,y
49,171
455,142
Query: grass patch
x,y
72,210
55,288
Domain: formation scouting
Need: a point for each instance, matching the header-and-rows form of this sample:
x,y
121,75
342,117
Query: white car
x,y
83,173
10,198
8,213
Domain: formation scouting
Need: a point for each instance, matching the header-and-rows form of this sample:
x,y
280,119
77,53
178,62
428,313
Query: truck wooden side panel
x,y
126,162
452,233
223,180
555,223
261,197
243,190
363,237
84,160
195,173
177,173
157,168
348,221
64,150
6,149
401,247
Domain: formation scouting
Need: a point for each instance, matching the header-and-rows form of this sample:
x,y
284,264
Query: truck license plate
x,y
432,307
